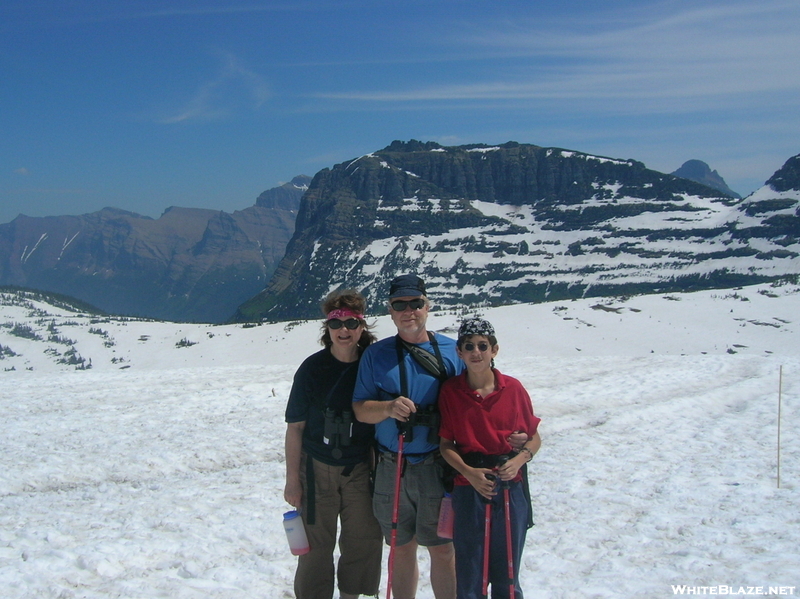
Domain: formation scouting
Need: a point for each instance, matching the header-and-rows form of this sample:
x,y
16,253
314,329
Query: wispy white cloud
x,y
666,59
22,172
232,90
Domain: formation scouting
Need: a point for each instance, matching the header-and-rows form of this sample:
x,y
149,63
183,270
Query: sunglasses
x,y
351,323
415,304
483,346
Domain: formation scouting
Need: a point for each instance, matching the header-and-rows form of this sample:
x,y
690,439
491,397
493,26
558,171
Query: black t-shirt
x,y
320,383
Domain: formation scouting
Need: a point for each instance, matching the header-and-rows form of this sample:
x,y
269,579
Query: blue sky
x,y
200,103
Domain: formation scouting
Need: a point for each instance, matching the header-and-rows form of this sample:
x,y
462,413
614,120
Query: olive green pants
x,y
345,501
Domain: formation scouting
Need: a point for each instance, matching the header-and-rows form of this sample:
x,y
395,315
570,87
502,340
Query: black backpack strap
x,y
442,368
526,490
324,403
399,344
311,492
434,366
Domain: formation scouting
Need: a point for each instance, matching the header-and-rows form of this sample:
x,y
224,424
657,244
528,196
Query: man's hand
x,y
401,408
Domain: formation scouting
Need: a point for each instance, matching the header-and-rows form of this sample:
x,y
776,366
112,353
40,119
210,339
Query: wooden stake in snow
x,y
780,393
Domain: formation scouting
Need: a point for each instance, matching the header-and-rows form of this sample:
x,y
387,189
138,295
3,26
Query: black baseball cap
x,y
406,286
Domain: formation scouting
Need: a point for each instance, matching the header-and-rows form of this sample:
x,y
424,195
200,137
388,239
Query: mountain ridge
x,y
488,225
190,264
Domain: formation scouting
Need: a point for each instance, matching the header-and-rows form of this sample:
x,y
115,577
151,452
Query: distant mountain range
x,y
188,265
491,225
485,225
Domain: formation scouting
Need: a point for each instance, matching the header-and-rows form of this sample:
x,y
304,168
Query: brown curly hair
x,y
348,299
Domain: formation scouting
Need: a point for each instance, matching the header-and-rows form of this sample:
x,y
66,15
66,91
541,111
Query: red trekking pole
x,y
487,532
506,485
509,550
395,510
487,538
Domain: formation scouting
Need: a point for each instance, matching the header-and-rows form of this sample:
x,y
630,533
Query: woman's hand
x,y
293,493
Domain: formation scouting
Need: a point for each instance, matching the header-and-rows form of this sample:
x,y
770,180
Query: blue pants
x,y
468,528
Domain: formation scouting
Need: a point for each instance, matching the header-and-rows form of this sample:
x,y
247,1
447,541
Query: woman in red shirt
x,y
480,409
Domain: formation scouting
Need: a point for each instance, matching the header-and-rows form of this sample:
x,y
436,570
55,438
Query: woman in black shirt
x,y
327,459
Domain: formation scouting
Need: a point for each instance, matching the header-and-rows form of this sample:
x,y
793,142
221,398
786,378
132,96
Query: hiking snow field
x,y
143,459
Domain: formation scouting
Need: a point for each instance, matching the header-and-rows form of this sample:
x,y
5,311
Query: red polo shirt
x,y
483,424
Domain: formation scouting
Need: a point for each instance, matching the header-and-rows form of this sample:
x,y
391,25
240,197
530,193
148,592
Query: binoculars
x,y
338,430
424,416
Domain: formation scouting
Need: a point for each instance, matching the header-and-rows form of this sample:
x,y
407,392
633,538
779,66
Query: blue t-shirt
x,y
379,379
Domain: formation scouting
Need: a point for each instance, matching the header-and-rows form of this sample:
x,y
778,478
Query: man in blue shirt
x,y
397,390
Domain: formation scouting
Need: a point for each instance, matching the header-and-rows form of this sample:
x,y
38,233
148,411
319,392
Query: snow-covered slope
x,y
756,320
159,471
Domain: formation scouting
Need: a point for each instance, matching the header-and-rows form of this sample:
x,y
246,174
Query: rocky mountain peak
x,y
699,171
286,196
788,177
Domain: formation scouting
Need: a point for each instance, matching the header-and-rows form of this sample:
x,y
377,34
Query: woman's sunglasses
x,y
483,346
415,304
350,323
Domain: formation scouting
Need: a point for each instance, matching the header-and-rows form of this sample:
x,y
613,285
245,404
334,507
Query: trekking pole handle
x,y
504,484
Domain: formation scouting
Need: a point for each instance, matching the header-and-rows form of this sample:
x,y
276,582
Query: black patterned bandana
x,y
475,326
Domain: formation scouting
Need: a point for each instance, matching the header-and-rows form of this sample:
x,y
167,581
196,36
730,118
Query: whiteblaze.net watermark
x,y
724,589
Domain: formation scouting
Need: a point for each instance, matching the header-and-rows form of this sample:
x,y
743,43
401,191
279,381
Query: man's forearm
x,y
371,411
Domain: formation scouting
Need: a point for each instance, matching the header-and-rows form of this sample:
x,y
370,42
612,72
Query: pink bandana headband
x,y
343,314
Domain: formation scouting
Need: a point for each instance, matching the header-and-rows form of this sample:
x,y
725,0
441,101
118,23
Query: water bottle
x,y
445,527
295,533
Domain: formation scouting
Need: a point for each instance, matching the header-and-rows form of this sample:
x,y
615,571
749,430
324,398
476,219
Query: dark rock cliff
x,y
491,225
